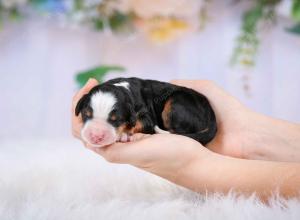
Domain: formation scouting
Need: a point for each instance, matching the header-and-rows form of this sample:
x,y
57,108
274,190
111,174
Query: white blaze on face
x,y
102,104
97,131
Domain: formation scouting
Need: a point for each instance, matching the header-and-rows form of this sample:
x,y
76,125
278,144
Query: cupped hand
x,y
166,155
234,120
187,163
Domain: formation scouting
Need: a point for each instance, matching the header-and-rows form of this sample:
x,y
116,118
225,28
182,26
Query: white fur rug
x,y
62,180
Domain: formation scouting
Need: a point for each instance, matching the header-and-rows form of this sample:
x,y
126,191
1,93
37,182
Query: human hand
x,y
162,154
244,133
232,117
241,132
187,163
235,121
166,155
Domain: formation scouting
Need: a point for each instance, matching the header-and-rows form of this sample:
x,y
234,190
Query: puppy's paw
x,y
124,138
160,131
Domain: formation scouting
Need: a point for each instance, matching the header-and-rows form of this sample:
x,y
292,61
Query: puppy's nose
x,y
97,138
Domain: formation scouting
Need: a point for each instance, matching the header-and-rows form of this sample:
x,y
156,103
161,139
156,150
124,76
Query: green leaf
x,y
98,73
14,14
119,21
98,24
296,10
251,18
78,5
295,29
247,42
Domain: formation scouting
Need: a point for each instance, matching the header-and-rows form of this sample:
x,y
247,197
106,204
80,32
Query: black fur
x,y
191,114
82,103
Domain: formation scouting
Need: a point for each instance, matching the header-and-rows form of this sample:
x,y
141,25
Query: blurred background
x,y
49,48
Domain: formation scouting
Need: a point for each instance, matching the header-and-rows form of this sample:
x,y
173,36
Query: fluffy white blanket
x,y
62,180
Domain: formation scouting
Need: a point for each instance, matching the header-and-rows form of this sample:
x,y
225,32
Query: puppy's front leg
x,y
123,137
160,131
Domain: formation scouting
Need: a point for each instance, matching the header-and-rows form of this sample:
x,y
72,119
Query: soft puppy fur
x,y
118,108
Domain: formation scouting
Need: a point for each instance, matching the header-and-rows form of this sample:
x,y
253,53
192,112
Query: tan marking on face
x,y
166,113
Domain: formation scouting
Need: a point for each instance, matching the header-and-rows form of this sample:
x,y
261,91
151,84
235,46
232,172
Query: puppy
x,y
118,108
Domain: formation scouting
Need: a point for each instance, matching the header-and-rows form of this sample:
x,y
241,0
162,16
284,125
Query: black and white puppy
x,y
118,108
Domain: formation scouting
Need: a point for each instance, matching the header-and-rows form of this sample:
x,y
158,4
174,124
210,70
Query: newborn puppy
x,y
118,108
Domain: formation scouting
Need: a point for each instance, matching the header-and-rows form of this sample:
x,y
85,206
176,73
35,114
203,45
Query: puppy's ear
x,y
82,103
132,120
132,116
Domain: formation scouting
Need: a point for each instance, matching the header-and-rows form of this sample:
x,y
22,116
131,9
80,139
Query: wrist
x,y
272,139
196,174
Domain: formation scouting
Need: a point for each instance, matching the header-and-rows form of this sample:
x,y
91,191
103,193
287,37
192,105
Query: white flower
x,y
12,3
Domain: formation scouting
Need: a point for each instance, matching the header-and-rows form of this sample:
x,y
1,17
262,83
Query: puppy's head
x,y
107,112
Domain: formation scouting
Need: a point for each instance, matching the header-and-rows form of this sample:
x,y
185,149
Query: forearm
x,y
222,174
273,139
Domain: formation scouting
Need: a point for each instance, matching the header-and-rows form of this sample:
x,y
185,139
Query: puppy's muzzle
x,y
98,133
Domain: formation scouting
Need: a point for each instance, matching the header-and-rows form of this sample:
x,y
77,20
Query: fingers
x,y
220,100
202,86
129,153
76,127
138,136
112,153
187,82
206,87
87,145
